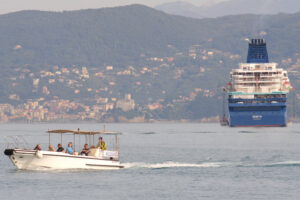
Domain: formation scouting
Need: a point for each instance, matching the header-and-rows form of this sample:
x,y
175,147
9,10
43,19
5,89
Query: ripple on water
x,y
247,132
203,132
148,133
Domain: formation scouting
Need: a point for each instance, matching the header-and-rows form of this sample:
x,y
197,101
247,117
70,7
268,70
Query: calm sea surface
x,y
167,161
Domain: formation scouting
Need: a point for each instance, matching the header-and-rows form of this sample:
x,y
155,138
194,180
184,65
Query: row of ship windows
x,y
259,79
255,83
257,67
252,73
255,113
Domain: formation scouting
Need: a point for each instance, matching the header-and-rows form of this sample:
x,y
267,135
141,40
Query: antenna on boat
x,y
49,137
294,103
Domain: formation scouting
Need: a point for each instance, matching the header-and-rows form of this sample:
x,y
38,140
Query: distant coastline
x,y
151,121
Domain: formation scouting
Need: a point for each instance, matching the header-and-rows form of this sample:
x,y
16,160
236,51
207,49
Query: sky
x,y
7,6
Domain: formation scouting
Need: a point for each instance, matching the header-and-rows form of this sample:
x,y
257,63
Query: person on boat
x,y
60,148
69,149
51,148
101,144
38,147
85,151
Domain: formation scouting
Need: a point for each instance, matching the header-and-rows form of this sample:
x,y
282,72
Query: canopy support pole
x,y
74,141
79,141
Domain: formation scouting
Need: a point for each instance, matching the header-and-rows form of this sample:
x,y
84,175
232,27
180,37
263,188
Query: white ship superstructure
x,y
258,78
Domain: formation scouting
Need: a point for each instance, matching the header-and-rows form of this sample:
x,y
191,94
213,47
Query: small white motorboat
x,y
96,158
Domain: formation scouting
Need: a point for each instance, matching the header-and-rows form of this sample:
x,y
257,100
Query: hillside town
x,y
129,93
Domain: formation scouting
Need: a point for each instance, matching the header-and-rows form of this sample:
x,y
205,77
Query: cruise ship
x,y
257,91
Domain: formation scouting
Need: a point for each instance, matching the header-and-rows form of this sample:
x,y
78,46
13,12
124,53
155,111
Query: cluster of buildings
x,y
41,110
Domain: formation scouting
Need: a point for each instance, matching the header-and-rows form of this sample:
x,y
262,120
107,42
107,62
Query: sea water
x,y
166,161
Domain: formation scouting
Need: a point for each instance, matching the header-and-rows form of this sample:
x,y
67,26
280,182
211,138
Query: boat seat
x,y
94,152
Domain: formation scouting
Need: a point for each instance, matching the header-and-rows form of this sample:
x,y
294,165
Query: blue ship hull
x,y
257,114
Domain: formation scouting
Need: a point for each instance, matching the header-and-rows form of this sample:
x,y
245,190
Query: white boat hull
x,y
37,160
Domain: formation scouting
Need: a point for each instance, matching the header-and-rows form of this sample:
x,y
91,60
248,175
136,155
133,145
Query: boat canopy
x,y
79,132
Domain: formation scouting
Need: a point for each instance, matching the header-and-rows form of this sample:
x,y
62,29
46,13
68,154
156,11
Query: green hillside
x,y
116,35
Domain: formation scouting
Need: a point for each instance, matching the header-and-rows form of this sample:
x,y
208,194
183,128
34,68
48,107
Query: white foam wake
x,y
283,163
169,165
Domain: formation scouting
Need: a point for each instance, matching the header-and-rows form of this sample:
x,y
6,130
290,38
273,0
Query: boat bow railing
x,y
16,142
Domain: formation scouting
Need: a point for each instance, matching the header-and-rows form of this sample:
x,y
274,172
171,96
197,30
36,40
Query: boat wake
x,y
169,165
283,164
275,164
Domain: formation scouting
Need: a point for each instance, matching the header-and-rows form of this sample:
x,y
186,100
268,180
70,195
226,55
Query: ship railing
x,y
256,90
278,76
16,142
253,76
233,100
243,80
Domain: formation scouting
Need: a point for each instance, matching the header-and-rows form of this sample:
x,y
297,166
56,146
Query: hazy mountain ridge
x,y
88,36
231,7
181,8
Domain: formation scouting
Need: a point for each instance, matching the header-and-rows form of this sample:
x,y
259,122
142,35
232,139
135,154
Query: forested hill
x,y
122,34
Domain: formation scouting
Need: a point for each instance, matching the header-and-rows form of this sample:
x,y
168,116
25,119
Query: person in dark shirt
x,y
60,148
85,151
38,147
